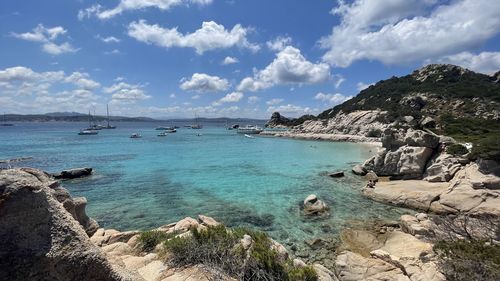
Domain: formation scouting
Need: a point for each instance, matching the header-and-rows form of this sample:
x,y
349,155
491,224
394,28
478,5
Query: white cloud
x,y
172,96
253,99
338,80
201,82
113,52
82,80
274,101
361,86
232,97
332,98
47,36
229,60
124,93
289,67
485,62
401,31
210,36
291,110
109,39
279,43
129,5
195,97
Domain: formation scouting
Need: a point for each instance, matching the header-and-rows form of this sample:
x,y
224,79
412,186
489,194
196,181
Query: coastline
x,y
325,137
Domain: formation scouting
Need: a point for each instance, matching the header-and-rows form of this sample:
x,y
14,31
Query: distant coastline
x,y
79,117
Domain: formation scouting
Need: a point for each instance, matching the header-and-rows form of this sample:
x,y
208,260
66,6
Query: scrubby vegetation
x,y
149,239
457,149
483,134
465,260
220,247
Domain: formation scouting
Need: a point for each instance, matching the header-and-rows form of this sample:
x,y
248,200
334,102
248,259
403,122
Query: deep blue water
x,y
148,182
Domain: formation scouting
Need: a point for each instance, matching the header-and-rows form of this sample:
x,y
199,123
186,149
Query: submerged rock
x,y
337,174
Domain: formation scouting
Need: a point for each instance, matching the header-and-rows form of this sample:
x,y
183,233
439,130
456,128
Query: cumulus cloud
x,y
125,93
232,97
291,110
279,43
289,67
253,99
83,81
201,82
274,101
229,60
485,62
47,37
402,31
25,89
332,98
130,5
210,36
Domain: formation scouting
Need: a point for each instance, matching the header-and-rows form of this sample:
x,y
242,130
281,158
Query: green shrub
x,y
457,149
374,133
219,247
464,260
149,239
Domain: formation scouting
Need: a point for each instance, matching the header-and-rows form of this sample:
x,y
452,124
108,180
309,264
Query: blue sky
x,y
214,58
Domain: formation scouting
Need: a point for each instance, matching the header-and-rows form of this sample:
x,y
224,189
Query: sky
x,y
228,58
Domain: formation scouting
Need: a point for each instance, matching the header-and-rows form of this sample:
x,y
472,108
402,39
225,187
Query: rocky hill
x,y
445,99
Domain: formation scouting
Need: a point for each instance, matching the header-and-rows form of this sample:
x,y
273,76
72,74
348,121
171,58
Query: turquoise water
x,y
148,182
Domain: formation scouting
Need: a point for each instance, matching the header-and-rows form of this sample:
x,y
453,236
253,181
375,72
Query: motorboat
x,y
87,132
250,130
135,136
163,134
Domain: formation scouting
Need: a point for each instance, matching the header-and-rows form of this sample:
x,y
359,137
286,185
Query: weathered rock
x,y
443,168
207,221
350,266
393,139
337,174
359,241
40,239
186,224
372,177
359,170
314,206
405,162
415,194
324,274
74,173
428,122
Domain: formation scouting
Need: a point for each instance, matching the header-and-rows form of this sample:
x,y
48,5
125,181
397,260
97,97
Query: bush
x,y
219,247
464,260
374,133
457,149
149,239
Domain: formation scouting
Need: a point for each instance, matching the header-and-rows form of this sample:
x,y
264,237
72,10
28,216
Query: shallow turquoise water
x,y
148,182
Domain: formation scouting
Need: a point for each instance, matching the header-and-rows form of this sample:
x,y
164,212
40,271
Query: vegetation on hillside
x,y
220,247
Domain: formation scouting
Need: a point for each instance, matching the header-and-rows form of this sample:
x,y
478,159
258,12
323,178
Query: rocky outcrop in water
x,y
74,173
277,120
40,236
314,207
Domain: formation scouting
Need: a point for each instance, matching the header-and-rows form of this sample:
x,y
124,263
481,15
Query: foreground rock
x,y
314,207
394,256
41,240
74,173
470,192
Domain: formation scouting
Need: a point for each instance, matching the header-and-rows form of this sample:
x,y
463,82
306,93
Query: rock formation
x,y
40,238
314,207
277,120
74,173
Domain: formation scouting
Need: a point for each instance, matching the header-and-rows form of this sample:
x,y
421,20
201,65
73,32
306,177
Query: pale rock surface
x,y
443,168
314,206
41,240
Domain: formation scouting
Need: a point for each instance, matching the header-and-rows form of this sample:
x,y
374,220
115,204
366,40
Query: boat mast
x,y
90,120
107,113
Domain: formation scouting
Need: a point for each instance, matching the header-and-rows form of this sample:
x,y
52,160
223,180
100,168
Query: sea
x,y
256,182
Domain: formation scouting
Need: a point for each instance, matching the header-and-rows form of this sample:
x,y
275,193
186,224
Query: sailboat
x,y
5,124
91,130
107,119
197,124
